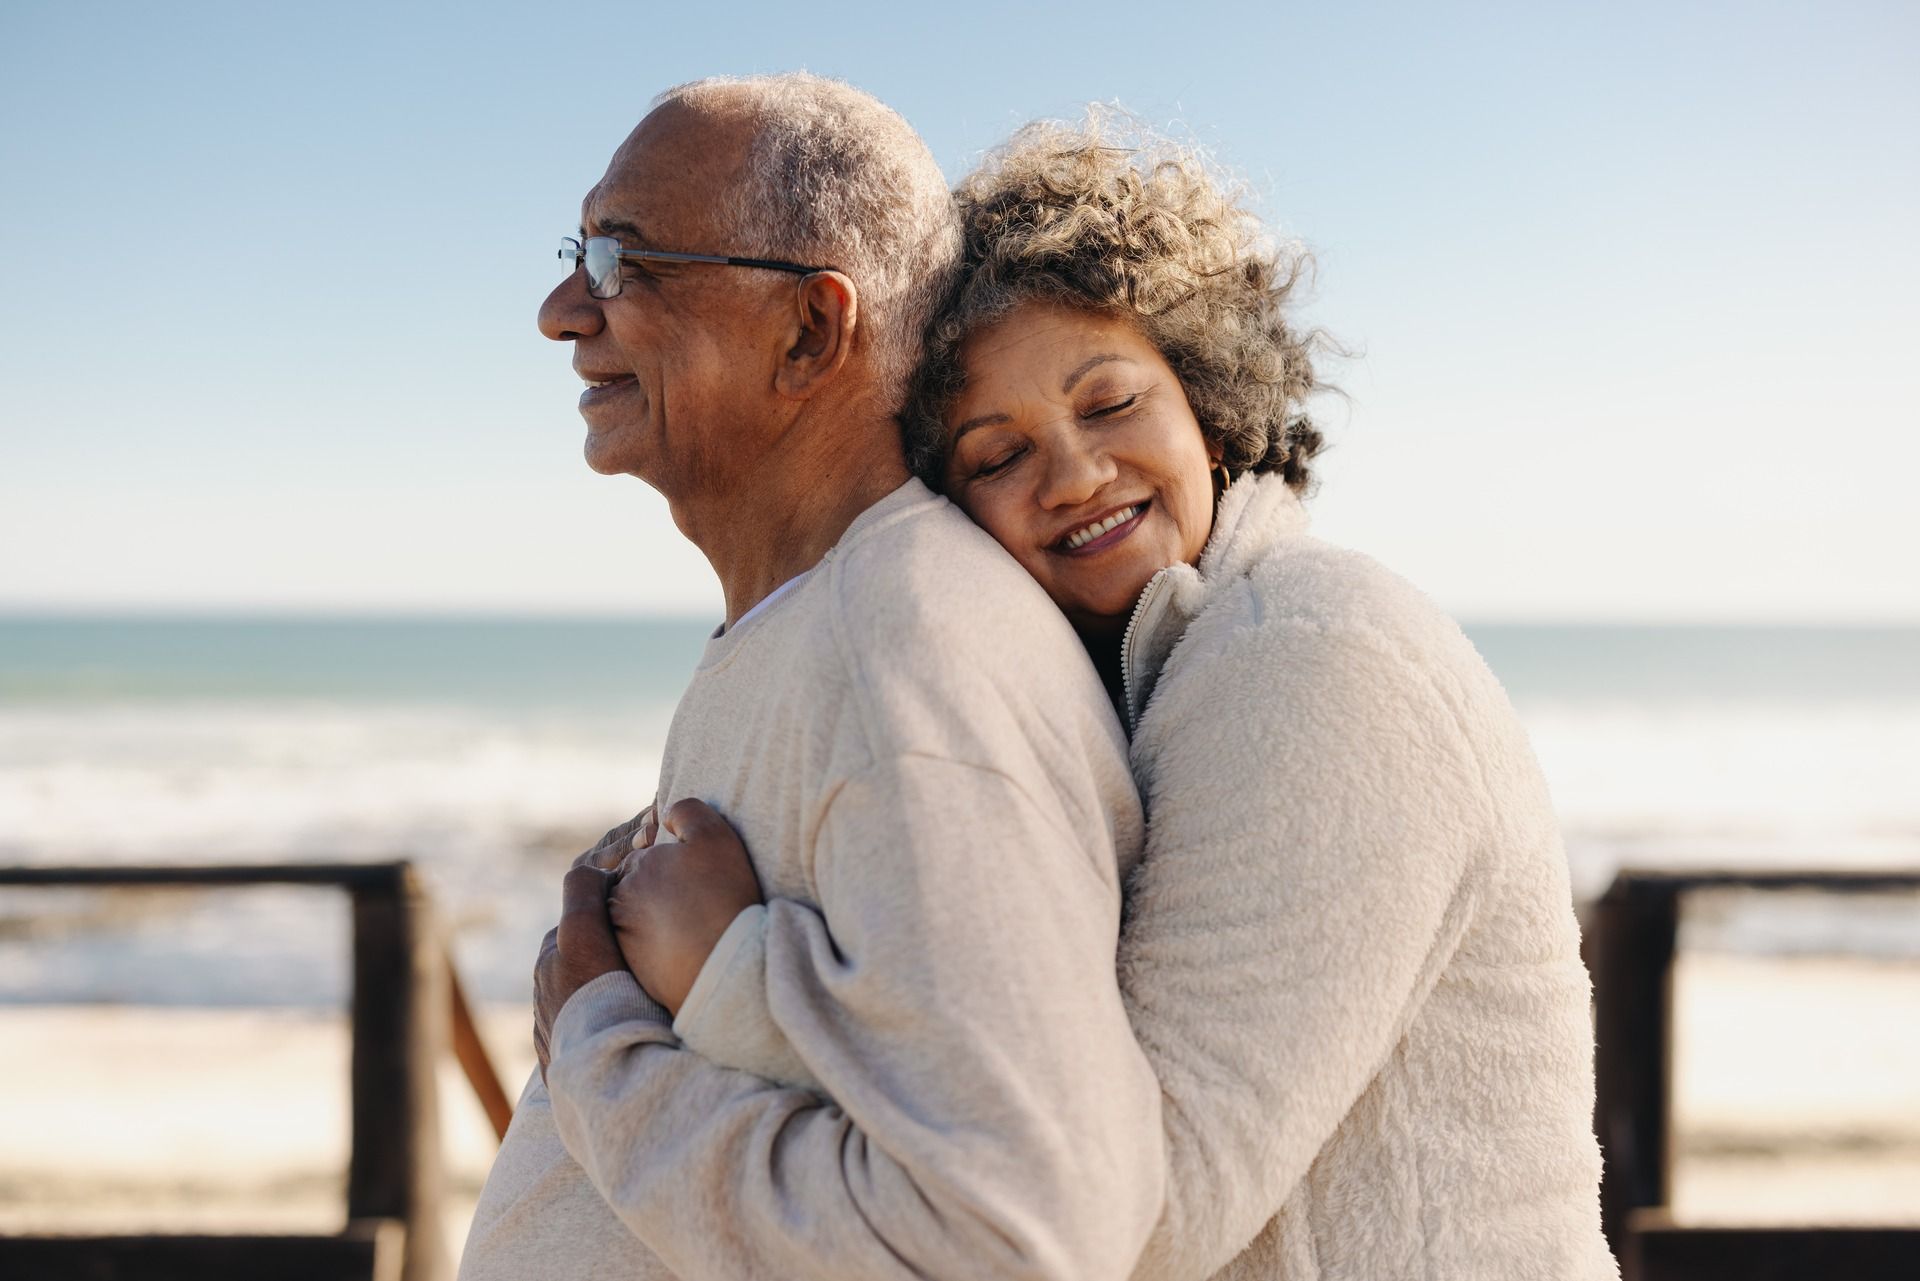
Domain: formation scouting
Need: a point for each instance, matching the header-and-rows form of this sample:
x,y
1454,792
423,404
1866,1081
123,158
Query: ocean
x,y
493,750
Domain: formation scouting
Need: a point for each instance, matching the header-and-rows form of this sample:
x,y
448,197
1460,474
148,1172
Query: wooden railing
x,y
1633,931
408,1010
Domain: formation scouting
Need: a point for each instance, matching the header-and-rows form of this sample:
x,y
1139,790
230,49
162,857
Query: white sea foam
x,y
493,801
173,782
1737,766
1733,784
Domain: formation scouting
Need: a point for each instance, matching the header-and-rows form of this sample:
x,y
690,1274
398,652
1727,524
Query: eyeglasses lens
x,y
603,266
601,254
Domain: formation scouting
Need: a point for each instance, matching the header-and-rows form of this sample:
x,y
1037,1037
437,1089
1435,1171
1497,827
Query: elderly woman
x,y
1350,952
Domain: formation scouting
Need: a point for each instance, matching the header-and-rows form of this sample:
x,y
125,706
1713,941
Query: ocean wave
x,y
493,802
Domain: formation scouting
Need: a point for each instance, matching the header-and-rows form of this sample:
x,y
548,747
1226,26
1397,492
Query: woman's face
x,y
1074,446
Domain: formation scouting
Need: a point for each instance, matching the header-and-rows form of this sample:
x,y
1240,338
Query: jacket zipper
x,y
1147,594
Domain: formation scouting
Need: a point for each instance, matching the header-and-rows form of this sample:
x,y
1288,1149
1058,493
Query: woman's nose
x,y
1075,471
570,311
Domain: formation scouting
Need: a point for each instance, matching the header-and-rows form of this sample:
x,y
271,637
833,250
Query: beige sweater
x,y
1350,951
936,795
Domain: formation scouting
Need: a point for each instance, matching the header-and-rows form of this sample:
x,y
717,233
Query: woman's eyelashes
x,y
998,463
1102,407
1111,407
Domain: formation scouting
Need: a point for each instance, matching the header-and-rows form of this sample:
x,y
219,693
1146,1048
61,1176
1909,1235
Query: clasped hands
x,y
641,901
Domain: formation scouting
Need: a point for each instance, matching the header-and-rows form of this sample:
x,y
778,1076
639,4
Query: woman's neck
x,y
1105,652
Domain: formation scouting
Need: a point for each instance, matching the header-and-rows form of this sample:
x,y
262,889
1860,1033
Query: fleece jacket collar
x,y
1254,514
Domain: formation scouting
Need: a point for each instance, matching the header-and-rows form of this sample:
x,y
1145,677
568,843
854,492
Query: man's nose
x,y
1076,470
570,312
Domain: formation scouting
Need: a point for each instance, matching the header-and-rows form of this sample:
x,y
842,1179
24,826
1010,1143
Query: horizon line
x,y
123,612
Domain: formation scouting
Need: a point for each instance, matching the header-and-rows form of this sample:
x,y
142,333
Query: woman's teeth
x,y
1081,537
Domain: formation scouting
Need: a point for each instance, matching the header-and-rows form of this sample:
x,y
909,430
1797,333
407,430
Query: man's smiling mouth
x,y
599,389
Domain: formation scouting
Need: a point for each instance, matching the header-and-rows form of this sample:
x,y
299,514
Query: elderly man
x,y
904,729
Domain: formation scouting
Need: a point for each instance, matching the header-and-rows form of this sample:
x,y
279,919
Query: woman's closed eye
x,y
999,462
1111,407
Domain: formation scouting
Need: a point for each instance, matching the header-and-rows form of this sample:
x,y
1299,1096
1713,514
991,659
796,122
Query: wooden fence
x,y
1632,935
408,1010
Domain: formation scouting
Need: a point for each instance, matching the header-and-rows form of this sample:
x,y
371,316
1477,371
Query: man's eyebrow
x,y
620,230
1080,370
981,420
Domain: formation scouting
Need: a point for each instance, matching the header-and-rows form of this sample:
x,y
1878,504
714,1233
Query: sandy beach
x,y
1797,1087
119,1119
1796,1090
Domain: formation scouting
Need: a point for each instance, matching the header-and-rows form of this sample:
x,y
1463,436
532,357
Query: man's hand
x,y
580,949
671,902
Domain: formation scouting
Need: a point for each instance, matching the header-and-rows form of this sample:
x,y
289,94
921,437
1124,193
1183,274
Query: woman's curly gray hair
x,y
1137,227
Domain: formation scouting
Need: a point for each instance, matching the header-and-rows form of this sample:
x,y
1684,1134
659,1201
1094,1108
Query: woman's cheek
x,y
1002,519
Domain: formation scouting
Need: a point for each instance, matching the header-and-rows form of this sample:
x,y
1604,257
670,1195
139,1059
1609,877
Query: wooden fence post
x,y
399,1034
1637,922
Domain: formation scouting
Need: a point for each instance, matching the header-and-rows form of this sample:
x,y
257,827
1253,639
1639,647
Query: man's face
x,y
679,365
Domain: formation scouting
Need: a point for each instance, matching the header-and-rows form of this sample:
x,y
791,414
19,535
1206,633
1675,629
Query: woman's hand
x,y
635,834
674,896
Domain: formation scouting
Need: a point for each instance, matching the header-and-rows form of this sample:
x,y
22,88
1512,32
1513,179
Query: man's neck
x,y
790,512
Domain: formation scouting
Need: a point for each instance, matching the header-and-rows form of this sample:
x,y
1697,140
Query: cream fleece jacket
x,y
936,793
1350,951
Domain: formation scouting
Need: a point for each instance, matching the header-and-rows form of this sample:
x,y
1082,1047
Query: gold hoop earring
x,y
1226,477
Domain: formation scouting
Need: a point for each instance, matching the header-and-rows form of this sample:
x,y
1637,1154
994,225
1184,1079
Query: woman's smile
x,y
1107,531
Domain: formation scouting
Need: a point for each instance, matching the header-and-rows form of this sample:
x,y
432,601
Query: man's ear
x,y
827,308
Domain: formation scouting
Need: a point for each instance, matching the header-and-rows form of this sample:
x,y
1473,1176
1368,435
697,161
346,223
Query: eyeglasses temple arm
x,y
668,255
793,267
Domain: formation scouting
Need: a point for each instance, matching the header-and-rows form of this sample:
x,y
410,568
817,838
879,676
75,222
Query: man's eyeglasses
x,y
602,255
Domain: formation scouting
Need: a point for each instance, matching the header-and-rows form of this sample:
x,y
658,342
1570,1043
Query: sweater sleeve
x,y
990,1113
725,1017
1310,870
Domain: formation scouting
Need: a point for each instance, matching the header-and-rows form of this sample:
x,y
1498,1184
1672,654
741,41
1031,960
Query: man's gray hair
x,y
835,177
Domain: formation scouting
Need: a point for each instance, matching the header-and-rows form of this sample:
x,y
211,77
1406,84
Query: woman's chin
x,y
1104,613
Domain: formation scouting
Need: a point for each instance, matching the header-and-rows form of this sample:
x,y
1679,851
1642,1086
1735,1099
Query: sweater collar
x,y
726,641
1255,513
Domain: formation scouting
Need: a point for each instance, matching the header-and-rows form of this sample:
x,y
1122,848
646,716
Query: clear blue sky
x,y
1635,284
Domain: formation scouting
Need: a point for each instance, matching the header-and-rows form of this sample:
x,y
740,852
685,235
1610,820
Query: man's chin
x,y
606,455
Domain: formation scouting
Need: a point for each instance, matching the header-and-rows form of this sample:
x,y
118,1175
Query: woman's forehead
x,y
1049,341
